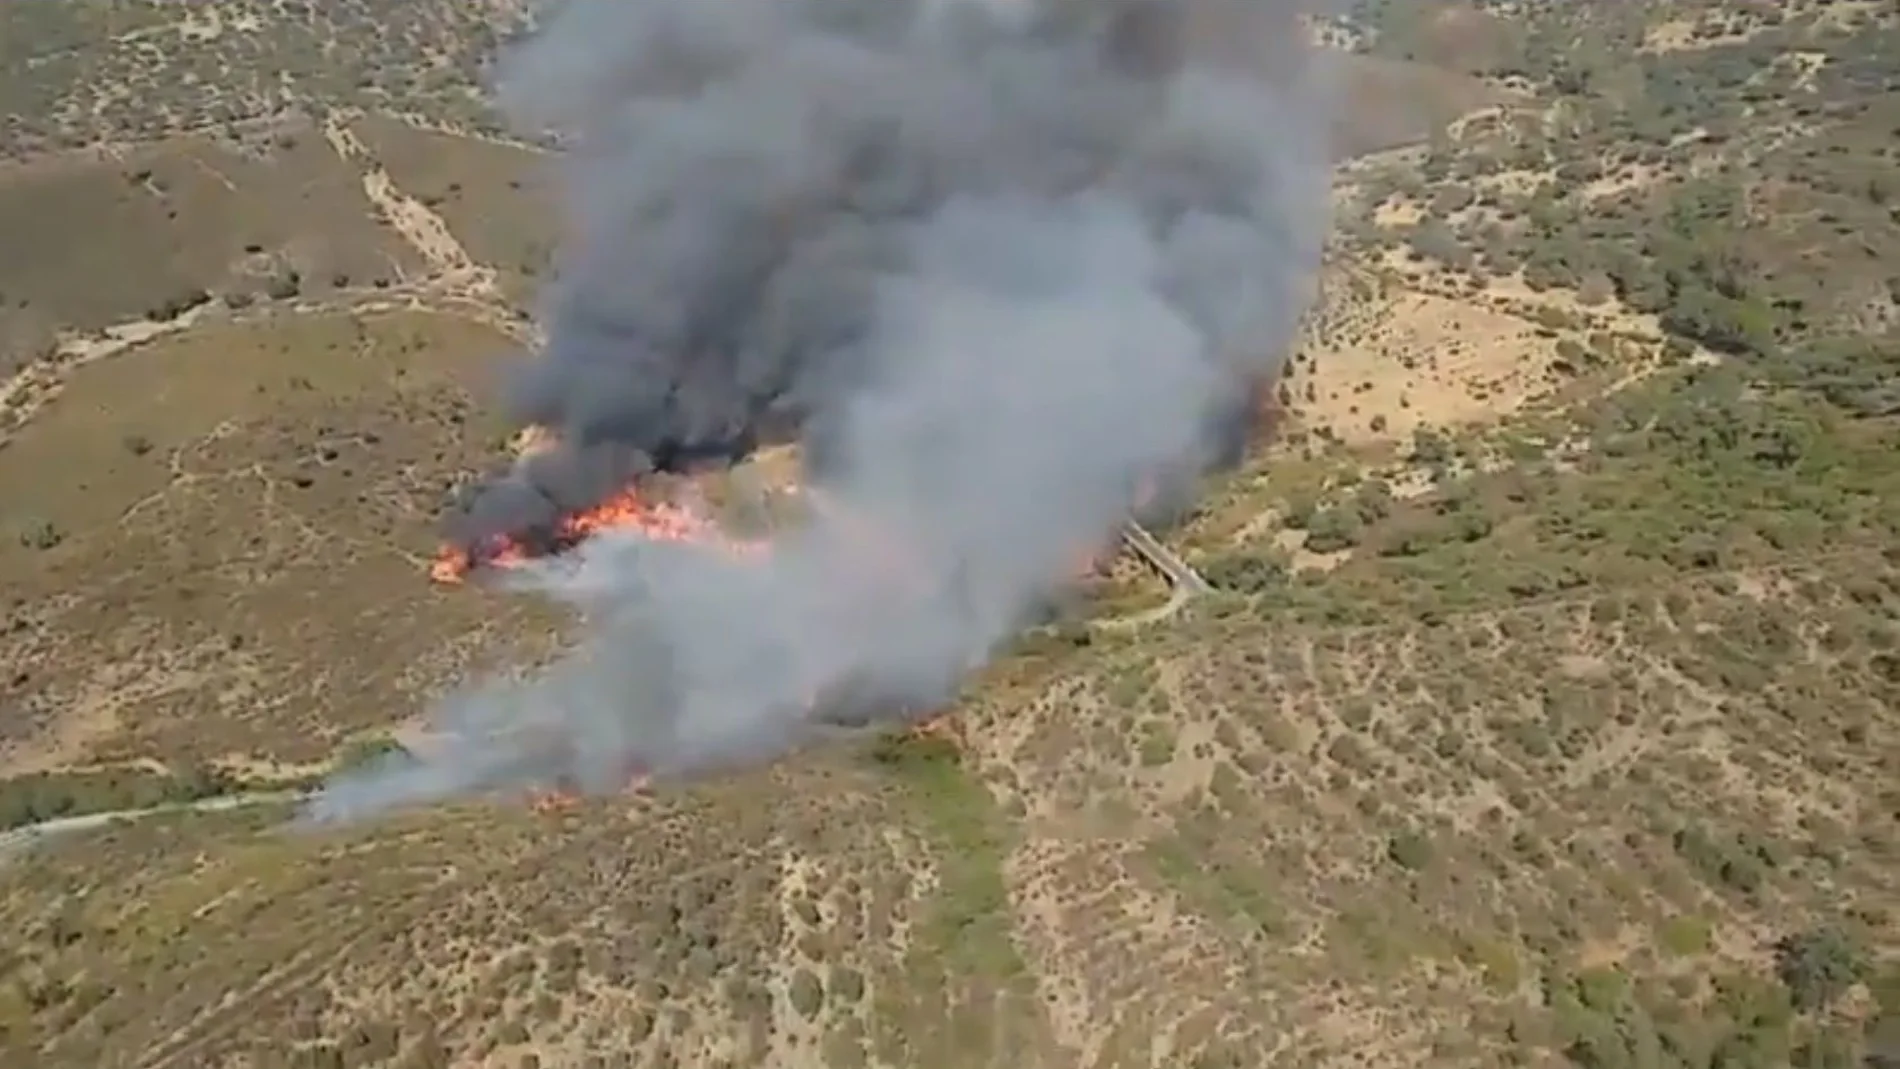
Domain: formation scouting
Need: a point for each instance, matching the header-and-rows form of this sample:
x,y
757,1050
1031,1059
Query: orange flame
x,y
942,726
557,800
553,801
625,510
663,521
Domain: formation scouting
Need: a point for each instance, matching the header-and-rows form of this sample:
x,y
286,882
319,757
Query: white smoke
x,y
1007,259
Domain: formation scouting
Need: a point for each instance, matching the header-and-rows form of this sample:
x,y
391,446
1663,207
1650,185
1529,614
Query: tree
x,y
1430,447
1595,289
362,752
1431,239
1409,850
1332,530
40,534
1740,326
1818,966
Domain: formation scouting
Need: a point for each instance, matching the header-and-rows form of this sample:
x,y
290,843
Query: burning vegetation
x,y
989,267
631,508
643,508
627,510
645,511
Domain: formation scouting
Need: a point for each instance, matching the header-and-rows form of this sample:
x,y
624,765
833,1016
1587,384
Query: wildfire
x,y
630,510
942,726
626,510
556,800
553,801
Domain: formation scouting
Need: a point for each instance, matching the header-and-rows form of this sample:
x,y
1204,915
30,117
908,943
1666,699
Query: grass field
x,y
225,483
496,198
180,223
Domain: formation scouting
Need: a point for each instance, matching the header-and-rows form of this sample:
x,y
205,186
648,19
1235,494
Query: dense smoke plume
x,y
995,261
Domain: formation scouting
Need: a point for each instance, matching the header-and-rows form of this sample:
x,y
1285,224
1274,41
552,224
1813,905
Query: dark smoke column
x,y
996,262
720,278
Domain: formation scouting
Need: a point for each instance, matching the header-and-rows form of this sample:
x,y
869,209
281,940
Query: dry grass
x,y
790,921
495,197
1439,819
225,482
1417,359
1391,103
94,241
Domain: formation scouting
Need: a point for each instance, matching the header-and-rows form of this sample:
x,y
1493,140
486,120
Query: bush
x,y
1245,573
358,753
847,984
40,534
285,286
178,304
1410,850
1431,447
806,994
1334,529
904,751
1572,357
1818,966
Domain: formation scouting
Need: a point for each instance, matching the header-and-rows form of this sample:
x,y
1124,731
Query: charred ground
x,y
1544,714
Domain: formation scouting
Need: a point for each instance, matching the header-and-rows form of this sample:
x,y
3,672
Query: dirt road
x,y
18,840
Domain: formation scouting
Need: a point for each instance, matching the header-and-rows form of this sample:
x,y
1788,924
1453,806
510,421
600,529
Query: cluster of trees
x,y
1778,250
1603,1020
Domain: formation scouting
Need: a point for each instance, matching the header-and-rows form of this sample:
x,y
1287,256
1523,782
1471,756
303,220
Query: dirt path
x,y
466,133
456,280
449,262
455,283
19,840
40,381
420,227
1148,617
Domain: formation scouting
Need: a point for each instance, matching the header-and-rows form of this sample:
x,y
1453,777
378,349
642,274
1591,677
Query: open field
x,y
224,481
1544,710
496,198
179,223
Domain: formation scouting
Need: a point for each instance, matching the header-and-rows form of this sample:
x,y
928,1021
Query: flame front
x,y
626,510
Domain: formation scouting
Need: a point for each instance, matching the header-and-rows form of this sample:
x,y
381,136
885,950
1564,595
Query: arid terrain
x,y
1543,708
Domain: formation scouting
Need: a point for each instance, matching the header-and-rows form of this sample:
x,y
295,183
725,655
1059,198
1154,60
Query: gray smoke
x,y
996,263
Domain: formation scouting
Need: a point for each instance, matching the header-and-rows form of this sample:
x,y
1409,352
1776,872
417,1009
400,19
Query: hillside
x,y
1543,711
